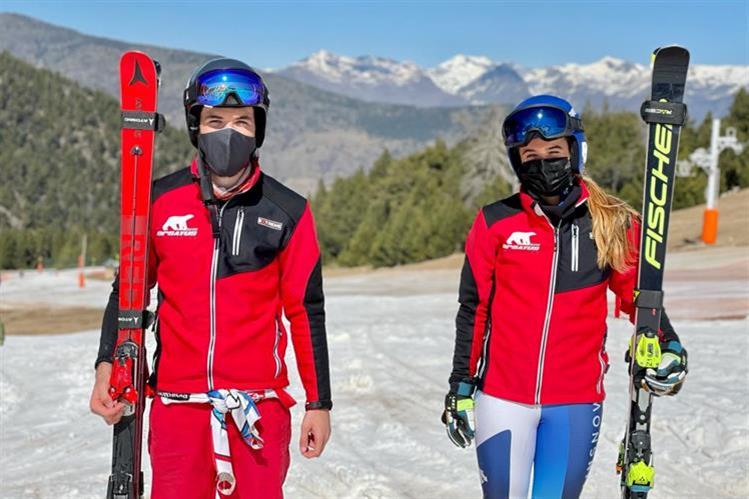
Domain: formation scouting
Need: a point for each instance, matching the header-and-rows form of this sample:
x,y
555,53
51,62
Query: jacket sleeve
x,y
108,336
476,289
623,285
304,307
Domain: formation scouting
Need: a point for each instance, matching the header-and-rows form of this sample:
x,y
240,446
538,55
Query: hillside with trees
x,y
59,162
59,158
312,133
416,208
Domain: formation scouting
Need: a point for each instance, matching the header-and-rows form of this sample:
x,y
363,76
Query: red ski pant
x,y
182,460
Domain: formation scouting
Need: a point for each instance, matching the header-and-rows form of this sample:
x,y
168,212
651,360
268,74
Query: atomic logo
x,y
137,76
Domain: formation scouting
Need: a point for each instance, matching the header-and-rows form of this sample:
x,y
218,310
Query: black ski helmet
x,y
225,82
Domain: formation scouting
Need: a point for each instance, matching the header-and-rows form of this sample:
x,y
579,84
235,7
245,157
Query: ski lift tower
x,y
708,161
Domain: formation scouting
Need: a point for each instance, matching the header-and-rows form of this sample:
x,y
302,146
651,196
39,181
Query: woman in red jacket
x,y
531,328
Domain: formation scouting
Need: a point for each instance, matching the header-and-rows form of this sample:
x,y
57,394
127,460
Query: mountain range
x,y
464,80
332,114
312,134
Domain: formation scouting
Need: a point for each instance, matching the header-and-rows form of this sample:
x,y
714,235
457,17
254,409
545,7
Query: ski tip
x,y
669,50
139,82
133,53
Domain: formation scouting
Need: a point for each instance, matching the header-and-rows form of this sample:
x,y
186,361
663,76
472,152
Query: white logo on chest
x,y
521,241
272,224
176,225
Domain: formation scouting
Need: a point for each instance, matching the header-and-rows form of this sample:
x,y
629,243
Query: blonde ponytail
x,y
612,217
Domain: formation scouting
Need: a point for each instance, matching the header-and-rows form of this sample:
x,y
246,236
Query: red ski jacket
x,y
531,326
225,275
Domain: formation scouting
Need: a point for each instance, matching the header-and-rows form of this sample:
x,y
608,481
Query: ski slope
x,y
391,340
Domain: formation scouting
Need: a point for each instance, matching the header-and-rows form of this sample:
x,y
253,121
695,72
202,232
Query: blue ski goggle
x,y
215,87
550,122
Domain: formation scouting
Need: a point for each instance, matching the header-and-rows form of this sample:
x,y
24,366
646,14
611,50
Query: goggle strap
x,y
576,123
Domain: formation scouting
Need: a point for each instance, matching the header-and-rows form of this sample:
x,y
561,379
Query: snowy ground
x,y
390,336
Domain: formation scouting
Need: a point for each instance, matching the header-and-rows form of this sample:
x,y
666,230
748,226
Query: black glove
x,y
669,376
458,415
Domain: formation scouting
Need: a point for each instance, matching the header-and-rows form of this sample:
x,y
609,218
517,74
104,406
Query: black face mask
x,y
546,177
226,152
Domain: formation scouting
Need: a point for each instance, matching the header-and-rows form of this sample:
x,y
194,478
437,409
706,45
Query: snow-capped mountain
x,y
624,84
470,79
609,76
366,70
458,71
499,84
372,79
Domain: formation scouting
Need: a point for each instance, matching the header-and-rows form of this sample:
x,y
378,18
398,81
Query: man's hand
x,y
315,432
101,403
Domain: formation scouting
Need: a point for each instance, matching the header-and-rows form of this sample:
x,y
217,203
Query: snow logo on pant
x,y
596,422
521,241
176,225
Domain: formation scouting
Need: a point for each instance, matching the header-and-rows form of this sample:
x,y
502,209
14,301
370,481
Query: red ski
x,y
139,82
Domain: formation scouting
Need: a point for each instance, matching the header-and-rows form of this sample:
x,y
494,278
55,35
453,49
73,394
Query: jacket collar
x,y
248,183
530,205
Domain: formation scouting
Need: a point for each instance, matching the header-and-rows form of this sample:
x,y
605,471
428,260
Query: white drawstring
x,y
244,412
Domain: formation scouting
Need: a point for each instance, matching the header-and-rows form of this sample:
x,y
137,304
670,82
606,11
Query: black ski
x,y
665,114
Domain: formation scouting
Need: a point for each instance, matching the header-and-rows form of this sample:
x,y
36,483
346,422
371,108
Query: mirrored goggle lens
x,y
550,122
215,87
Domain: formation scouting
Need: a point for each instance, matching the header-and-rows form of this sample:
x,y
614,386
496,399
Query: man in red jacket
x,y
232,250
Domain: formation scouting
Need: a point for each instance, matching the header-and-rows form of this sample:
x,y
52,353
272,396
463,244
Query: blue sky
x,y
275,34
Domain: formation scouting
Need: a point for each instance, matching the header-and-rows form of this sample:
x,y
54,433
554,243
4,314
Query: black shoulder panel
x,y
180,178
577,258
286,199
504,208
258,225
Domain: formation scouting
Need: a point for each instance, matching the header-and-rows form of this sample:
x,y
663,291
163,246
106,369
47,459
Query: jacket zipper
x,y
485,347
599,385
237,238
276,357
575,248
603,371
212,300
487,333
547,318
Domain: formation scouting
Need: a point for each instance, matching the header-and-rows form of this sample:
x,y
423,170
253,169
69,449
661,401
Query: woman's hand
x,y
668,378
